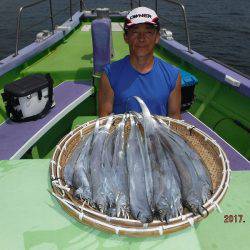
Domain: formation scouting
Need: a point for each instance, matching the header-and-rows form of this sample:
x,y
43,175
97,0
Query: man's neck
x,y
142,64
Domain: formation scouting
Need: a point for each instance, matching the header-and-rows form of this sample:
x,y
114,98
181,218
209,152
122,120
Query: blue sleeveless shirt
x,y
153,87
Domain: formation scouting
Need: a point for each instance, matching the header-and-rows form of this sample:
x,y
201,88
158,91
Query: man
x,y
140,74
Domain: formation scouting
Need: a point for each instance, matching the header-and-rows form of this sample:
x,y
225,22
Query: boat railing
x,y
51,17
183,10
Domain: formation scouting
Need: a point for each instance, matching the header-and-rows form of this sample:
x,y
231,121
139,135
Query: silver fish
x,y
167,194
98,178
139,205
201,170
70,165
191,185
120,173
148,128
81,177
109,187
166,190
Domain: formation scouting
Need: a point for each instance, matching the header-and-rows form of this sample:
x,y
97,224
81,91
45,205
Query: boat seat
x,y
17,138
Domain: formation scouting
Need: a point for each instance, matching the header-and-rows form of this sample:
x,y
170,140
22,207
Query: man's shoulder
x,y
166,65
114,66
119,63
114,69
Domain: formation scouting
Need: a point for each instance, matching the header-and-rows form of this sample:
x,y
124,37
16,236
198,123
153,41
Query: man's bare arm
x,y
105,97
174,101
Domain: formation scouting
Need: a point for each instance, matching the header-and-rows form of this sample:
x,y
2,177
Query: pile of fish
x,y
151,172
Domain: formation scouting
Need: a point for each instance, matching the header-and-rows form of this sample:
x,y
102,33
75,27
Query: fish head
x,y
168,212
145,217
122,205
79,193
163,210
161,214
206,192
112,211
85,194
102,204
194,204
162,205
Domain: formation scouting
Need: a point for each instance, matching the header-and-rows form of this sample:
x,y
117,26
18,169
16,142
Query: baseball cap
x,y
141,15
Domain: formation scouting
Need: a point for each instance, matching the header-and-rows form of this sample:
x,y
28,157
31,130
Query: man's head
x,y
141,31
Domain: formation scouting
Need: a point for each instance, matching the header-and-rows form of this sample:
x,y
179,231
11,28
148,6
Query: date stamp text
x,y
234,218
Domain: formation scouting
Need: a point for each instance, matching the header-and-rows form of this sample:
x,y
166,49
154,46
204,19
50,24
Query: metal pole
x,y
70,10
131,4
19,21
18,30
139,3
156,6
51,16
185,21
186,29
81,5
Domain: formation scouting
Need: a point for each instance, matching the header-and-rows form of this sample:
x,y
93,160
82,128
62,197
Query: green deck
x,y
72,59
31,218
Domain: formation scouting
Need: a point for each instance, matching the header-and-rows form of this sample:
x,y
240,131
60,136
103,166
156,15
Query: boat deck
x,y
33,219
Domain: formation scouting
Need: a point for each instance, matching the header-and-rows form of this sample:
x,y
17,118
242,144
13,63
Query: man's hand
x,y
105,97
174,101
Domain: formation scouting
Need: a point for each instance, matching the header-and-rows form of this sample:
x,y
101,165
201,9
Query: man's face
x,y
141,39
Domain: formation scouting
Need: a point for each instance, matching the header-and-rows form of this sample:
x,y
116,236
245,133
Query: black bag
x,y
29,98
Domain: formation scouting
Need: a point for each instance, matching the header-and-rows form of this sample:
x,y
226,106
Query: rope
x,y
117,229
217,206
190,221
81,216
160,229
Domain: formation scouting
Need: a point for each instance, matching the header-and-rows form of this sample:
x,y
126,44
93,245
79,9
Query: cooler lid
x,y
27,85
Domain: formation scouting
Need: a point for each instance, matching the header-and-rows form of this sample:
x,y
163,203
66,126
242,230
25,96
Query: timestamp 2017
x,y
234,218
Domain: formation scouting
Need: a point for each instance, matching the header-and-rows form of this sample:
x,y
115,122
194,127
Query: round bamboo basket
x,y
210,152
